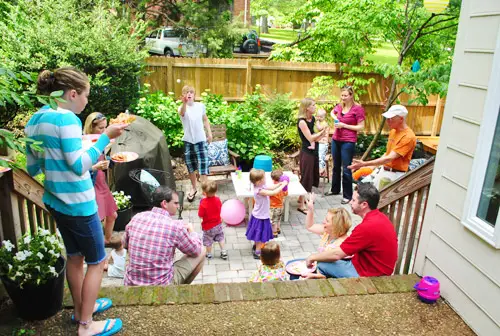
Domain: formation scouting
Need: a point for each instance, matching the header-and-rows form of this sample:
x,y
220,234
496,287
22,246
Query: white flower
x,y
10,267
18,274
38,268
39,255
8,245
20,256
52,270
43,232
27,239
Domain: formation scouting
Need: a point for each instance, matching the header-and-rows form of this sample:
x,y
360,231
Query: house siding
x,y
467,267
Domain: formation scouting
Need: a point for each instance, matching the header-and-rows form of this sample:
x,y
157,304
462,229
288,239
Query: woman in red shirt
x,y
349,119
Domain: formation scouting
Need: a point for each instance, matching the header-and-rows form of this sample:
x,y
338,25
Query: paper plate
x,y
4,169
127,157
298,267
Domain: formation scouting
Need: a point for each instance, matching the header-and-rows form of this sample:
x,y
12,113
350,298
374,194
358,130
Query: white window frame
x,y
484,145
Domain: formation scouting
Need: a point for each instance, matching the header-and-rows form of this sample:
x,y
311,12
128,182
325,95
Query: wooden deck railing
x,y
404,202
21,206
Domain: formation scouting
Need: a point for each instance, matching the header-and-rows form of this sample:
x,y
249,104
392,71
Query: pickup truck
x,y
166,41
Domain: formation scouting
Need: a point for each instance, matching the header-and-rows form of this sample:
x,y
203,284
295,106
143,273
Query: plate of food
x,y
4,169
123,118
298,267
122,157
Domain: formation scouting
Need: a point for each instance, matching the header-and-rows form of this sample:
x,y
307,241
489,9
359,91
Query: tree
x,y
39,35
206,22
346,31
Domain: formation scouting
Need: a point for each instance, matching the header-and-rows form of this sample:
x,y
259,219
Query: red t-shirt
x,y
374,244
209,212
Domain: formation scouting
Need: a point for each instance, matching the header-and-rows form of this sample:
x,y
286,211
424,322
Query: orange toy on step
x,y
361,172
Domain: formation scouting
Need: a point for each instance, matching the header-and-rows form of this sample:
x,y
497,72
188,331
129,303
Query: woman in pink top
x,y
349,119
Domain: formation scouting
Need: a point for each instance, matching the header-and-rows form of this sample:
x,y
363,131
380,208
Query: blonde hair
x,y
209,188
340,220
89,125
256,175
349,90
67,78
188,88
270,254
304,105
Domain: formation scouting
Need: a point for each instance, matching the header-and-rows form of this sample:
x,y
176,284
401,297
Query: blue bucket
x,y
264,162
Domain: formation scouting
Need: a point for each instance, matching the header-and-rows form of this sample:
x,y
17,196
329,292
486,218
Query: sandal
x,y
330,193
304,211
103,304
117,326
191,197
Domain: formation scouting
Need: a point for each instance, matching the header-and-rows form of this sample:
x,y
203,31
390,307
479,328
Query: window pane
x,y
489,202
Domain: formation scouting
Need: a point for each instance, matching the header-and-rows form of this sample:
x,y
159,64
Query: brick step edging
x,y
226,292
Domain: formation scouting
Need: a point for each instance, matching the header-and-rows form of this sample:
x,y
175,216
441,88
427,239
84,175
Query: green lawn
x,y
384,54
279,34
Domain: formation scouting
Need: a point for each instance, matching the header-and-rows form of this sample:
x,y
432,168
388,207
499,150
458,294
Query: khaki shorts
x,y
276,215
184,267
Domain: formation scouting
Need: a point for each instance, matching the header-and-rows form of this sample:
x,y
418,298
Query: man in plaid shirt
x,y
151,238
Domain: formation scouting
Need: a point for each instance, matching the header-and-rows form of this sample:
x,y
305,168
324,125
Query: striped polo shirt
x,y
68,186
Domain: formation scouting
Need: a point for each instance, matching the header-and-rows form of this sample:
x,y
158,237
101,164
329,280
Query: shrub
x,y
281,111
161,110
67,32
364,141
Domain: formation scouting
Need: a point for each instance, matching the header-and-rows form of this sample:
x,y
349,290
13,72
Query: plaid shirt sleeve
x,y
188,243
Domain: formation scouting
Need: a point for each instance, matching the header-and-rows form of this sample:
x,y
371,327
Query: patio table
x,y
244,189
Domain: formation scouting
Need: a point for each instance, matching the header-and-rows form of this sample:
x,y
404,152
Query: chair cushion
x,y
217,153
415,163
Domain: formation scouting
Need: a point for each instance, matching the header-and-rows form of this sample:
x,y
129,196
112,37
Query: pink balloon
x,y
285,178
233,212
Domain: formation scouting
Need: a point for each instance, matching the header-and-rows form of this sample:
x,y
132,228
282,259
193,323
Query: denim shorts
x,y
82,236
338,269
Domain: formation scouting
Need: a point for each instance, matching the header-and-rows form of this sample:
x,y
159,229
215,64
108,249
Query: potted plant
x,y
124,210
33,274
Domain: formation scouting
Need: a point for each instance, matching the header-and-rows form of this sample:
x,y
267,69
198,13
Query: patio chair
x,y
218,151
296,167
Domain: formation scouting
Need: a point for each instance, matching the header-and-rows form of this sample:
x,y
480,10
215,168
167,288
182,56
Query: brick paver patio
x,y
295,241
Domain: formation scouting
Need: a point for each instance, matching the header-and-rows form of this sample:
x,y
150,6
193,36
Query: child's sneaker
x,y
256,255
223,254
209,256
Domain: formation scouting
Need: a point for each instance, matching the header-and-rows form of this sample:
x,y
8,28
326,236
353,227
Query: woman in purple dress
x,y
96,124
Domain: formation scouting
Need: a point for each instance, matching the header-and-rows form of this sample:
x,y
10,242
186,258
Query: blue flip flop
x,y
116,327
103,304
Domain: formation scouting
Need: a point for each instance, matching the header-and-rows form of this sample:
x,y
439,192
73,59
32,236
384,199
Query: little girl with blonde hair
x,y
259,227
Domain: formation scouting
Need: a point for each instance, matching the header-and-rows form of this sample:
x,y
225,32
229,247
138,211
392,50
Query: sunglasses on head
x,y
99,117
347,87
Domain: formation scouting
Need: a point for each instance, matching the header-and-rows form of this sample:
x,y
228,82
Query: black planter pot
x,y
246,165
124,217
40,302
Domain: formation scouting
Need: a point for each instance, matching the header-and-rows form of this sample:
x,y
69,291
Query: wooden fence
x,y
404,201
233,78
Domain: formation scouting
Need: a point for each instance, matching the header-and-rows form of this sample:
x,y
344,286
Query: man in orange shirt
x,y
400,147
